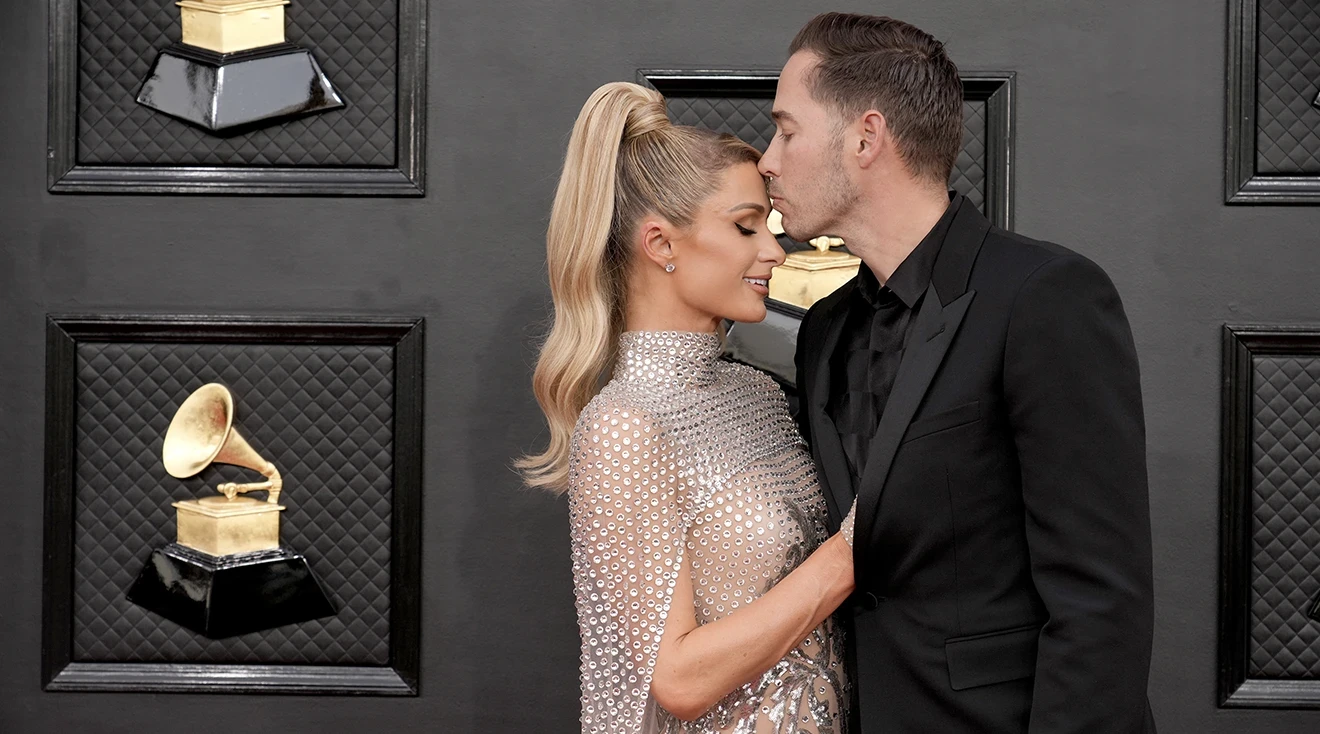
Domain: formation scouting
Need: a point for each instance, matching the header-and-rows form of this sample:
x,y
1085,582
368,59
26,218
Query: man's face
x,y
808,175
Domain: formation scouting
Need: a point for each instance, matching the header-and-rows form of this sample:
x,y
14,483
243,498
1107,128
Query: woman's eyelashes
x,y
745,231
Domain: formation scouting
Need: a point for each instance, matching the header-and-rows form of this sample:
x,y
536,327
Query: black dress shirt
x,y
870,348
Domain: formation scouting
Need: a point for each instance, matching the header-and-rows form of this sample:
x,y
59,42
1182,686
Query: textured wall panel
x,y
1285,550
322,414
749,119
1287,82
355,41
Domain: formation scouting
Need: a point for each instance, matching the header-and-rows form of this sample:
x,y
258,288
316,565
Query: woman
x,y
704,580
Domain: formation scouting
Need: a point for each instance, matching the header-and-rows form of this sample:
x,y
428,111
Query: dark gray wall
x,y
1120,155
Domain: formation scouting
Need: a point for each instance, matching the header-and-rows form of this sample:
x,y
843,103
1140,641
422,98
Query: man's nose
x,y
768,165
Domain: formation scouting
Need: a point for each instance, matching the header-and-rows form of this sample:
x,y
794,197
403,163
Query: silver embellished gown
x,y
683,454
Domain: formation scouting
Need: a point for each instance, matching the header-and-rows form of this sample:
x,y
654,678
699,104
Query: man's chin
x,y
798,235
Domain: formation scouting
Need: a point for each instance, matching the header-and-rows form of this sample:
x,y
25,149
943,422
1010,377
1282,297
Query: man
x,y
977,393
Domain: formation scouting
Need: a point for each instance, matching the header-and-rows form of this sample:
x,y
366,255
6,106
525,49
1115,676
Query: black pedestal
x,y
237,90
223,596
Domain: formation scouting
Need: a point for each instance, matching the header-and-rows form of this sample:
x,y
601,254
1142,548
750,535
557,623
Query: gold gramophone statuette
x,y
810,275
235,69
226,26
201,433
227,573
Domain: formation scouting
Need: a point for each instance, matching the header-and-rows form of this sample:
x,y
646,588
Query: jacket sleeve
x,y
1073,392
801,380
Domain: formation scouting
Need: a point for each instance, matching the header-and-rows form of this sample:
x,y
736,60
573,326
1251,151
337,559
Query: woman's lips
x,y
759,284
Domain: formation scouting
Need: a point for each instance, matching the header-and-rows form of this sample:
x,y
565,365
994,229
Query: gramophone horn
x,y
202,432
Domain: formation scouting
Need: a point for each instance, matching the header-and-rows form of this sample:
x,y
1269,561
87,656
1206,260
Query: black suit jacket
x,y
1002,545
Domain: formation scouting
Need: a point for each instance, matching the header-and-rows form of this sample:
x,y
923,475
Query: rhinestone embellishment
x,y
683,455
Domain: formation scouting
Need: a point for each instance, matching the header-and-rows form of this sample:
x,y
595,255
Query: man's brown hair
x,y
872,62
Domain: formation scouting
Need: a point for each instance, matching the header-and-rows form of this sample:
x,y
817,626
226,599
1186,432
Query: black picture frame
x,y
1242,183
995,88
1241,344
60,672
64,173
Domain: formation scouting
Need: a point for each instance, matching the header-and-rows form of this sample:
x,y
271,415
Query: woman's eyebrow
x,y
748,205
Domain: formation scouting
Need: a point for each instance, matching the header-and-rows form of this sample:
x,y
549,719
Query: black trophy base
x,y
237,91
223,596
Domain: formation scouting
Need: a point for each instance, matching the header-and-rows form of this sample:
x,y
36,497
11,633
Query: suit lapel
x,y
941,313
834,474
931,336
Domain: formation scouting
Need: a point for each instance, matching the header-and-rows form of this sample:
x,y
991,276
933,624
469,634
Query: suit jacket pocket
x,y
944,420
993,657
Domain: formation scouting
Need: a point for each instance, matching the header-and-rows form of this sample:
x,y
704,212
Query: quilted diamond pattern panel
x,y
322,414
968,177
355,42
1287,81
1286,518
749,119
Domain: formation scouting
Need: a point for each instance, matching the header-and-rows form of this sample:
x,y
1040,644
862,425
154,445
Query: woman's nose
x,y
773,252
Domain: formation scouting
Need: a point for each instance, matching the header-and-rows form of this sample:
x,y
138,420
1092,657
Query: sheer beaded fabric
x,y
685,455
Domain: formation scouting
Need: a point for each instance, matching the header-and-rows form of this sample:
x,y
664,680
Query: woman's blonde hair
x,y
625,160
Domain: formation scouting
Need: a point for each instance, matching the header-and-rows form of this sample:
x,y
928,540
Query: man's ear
x,y
655,235
873,132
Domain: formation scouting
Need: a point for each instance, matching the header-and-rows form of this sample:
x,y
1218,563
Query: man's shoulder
x,y
826,308
1008,259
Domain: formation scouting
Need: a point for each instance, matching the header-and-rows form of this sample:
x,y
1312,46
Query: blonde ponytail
x,y
625,159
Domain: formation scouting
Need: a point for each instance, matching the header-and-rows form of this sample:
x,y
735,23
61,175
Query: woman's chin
x,y
749,315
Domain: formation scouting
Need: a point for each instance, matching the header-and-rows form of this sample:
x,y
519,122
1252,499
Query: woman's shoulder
x,y
619,434
617,403
621,419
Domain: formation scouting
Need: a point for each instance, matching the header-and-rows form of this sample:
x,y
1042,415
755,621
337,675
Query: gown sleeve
x,y
629,527
846,527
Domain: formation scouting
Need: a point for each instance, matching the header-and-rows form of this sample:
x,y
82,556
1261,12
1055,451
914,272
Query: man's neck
x,y
889,225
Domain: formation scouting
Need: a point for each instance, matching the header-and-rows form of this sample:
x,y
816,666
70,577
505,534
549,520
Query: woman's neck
x,y
645,313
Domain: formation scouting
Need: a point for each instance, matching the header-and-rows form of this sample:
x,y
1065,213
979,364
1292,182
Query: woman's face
x,y
722,262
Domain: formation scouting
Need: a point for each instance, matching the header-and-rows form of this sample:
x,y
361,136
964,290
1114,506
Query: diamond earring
x,y
669,267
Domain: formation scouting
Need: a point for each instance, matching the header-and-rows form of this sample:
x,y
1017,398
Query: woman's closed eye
x,y
745,231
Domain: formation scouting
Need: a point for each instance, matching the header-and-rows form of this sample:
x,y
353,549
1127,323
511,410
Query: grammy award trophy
x,y
226,573
234,69
810,275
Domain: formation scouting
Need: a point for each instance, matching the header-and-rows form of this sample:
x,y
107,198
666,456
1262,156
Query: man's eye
x,y
783,135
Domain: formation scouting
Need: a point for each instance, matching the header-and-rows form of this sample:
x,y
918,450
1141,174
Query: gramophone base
x,y
222,527
223,596
237,91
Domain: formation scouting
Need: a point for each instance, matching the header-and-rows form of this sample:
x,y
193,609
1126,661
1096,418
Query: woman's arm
x,y
633,579
697,665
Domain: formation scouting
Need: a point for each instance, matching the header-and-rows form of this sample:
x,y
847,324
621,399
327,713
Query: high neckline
x,y
668,358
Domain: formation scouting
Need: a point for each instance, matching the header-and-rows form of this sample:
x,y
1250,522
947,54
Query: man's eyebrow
x,y
780,115
748,205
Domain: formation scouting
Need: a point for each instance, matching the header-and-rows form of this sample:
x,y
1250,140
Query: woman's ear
x,y
656,241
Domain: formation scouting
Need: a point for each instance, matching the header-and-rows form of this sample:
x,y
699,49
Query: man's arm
x,y
1073,389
